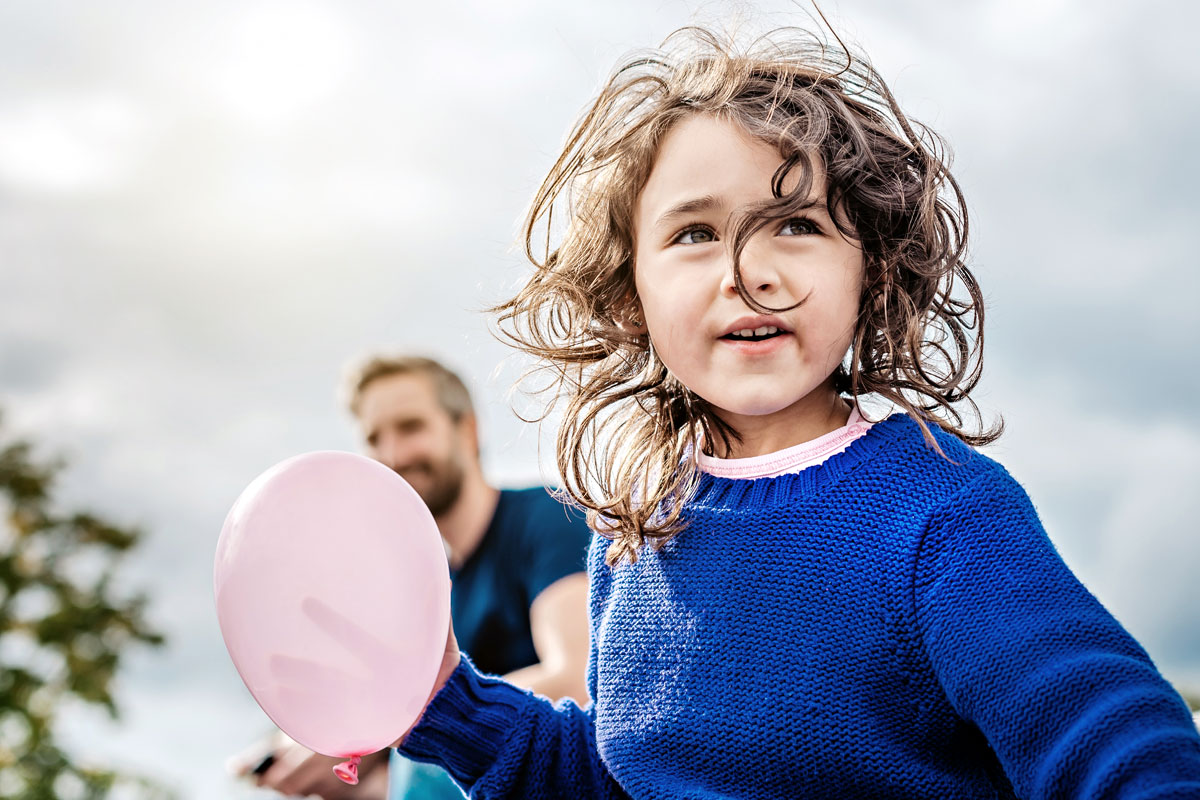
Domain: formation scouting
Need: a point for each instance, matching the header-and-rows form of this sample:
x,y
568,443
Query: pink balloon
x,y
333,596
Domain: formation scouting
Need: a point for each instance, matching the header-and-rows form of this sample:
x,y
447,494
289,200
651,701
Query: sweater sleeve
x,y
499,741
1069,702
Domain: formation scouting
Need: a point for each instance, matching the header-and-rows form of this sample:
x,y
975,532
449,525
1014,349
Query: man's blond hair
x,y
451,392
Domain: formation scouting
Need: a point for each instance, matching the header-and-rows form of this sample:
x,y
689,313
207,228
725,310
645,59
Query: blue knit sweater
x,y
890,623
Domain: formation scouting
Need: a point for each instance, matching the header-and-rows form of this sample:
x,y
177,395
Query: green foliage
x,y
63,630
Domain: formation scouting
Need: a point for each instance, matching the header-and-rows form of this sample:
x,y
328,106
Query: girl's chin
x,y
754,407
750,408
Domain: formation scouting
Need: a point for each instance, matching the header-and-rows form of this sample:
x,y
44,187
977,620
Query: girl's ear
x,y
630,319
881,290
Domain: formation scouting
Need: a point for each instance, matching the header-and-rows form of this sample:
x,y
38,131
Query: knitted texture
x,y
891,623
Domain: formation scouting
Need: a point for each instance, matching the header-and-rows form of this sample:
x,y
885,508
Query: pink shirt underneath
x,y
792,459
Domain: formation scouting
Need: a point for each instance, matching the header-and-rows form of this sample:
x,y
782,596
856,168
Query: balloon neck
x,y
348,770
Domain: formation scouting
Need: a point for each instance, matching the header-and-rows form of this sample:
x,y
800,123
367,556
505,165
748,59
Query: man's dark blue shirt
x,y
532,541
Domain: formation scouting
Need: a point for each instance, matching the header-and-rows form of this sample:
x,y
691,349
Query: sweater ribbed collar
x,y
717,494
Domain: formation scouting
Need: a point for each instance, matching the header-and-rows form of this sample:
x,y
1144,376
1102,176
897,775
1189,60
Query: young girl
x,y
787,598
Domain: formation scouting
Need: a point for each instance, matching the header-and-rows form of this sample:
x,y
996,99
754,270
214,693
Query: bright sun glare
x,y
281,60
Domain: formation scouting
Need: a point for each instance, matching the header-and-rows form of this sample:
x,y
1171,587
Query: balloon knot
x,y
348,770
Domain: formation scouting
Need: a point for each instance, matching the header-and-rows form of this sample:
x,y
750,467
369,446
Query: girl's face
x,y
767,375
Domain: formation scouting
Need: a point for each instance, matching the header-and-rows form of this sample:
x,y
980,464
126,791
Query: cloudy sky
x,y
207,208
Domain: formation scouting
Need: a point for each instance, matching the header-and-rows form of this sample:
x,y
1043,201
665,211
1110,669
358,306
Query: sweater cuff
x,y
466,724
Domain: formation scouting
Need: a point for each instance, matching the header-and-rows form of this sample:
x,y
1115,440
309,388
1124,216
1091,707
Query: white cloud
x,y
276,61
70,143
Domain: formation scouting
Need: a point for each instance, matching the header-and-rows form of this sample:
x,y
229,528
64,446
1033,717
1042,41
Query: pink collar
x,y
791,459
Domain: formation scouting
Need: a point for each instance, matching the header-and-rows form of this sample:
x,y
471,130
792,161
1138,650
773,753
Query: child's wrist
x,y
467,722
449,664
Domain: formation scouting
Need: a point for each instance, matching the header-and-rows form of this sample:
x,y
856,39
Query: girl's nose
x,y
758,273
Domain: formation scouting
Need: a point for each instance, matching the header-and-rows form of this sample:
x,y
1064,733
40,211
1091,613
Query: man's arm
x,y
559,625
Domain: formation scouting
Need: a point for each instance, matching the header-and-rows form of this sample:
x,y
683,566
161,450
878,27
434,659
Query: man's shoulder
x,y
537,512
531,495
531,499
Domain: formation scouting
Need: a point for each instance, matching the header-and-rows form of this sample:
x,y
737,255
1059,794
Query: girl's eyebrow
x,y
817,204
709,202
706,203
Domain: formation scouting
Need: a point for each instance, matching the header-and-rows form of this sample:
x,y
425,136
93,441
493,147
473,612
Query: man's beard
x,y
444,486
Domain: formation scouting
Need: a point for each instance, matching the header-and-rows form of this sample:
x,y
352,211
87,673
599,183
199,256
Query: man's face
x,y
405,428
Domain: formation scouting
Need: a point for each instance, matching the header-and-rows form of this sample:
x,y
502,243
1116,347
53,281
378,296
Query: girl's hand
x,y
450,658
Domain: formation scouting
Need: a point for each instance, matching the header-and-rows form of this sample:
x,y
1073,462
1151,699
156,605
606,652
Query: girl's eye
x,y
798,226
695,235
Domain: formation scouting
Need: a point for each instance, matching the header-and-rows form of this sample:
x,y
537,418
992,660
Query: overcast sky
x,y
206,209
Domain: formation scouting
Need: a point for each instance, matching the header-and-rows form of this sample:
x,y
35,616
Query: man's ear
x,y
468,428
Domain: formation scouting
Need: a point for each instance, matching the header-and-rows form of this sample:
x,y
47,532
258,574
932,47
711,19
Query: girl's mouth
x,y
754,334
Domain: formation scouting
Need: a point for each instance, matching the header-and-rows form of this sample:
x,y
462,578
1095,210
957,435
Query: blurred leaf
x,y
66,632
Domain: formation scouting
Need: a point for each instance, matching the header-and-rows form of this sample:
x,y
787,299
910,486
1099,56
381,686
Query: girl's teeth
x,y
763,331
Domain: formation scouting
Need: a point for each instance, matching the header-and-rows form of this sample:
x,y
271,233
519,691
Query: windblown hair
x,y
626,446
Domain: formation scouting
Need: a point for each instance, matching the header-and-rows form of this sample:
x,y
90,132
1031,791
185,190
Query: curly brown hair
x,y
626,445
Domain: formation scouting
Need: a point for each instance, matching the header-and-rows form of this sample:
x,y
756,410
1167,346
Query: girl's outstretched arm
x,y
499,741
1070,703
